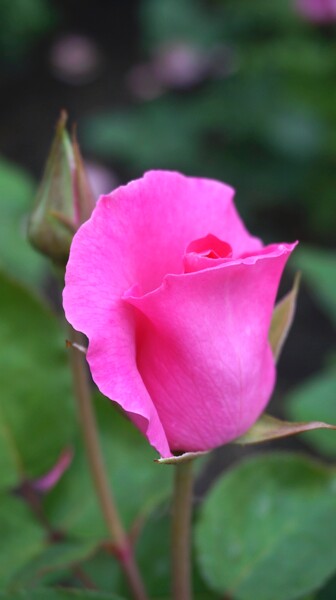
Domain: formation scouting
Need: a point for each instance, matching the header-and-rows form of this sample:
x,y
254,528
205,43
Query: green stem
x,y
181,520
123,548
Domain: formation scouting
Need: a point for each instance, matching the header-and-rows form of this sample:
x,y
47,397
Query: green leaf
x,y
55,557
282,319
104,569
138,482
17,257
318,269
36,408
269,428
267,529
21,537
316,397
58,594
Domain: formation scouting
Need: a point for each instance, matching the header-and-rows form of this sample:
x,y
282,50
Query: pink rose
x,y
176,298
317,10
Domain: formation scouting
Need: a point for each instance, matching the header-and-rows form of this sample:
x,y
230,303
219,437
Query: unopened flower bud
x,y
64,199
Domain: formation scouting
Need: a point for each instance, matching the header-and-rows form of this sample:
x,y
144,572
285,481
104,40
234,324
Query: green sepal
x,y
269,428
282,319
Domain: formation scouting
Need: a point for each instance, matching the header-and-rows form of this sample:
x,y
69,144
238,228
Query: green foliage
x,y
318,268
21,537
316,397
104,569
133,137
328,592
185,20
36,423
267,529
52,560
266,126
153,557
17,190
139,482
22,22
58,594
153,551
36,414
154,541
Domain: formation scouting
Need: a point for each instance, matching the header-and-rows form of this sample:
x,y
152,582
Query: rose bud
x,y
176,298
64,199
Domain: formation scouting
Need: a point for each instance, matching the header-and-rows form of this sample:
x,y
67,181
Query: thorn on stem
x,y
79,347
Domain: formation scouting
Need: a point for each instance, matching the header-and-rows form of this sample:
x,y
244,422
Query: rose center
x,y
205,253
210,246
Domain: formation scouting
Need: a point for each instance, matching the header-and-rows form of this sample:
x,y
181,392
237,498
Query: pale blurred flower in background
x,y
321,11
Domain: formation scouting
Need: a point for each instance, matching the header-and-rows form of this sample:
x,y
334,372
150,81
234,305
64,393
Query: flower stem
x,y
122,545
182,509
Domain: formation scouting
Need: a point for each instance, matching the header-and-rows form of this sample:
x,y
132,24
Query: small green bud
x,y
64,199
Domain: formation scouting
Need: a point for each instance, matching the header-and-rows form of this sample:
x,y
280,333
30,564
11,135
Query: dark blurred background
x,y
243,91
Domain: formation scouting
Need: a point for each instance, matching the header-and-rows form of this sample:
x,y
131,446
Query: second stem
x,y
181,521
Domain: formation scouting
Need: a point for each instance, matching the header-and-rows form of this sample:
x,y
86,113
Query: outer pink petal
x,y
138,234
203,352
92,305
